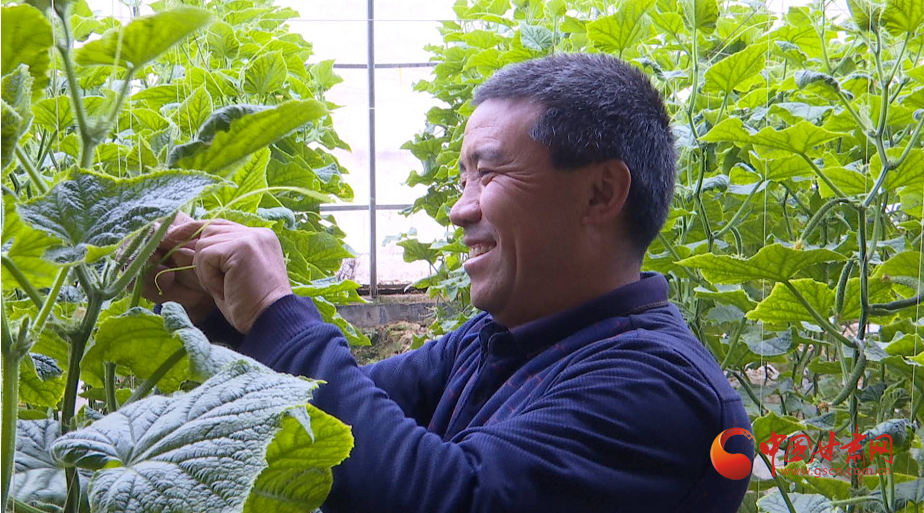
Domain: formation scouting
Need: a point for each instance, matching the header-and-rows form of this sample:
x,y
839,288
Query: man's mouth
x,y
480,249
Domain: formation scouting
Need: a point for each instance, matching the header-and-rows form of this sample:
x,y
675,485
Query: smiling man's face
x,y
520,215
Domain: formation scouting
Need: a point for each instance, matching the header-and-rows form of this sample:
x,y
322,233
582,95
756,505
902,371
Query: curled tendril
x,y
171,270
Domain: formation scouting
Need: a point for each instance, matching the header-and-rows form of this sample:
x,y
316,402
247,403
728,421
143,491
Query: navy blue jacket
x,y
611,406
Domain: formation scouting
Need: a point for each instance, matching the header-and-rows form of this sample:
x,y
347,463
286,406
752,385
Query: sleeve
x,y
416,380
219,330
593,442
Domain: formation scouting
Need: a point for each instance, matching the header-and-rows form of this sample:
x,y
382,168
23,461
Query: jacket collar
x,y
651,290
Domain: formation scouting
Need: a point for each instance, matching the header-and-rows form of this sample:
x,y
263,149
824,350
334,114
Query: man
x,y
580,389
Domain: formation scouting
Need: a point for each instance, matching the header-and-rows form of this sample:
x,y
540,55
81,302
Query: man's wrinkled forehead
x,y
497,129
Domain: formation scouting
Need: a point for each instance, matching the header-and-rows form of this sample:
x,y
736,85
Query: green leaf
x,y
908,345
866,13
536,37
779,169
319,250
205,359
26,39
908,174
41,381
879,292
773,423
906,263
244,134
775,262
782,307
249,178
848,181
56,113
138,344
150,119
221,39
700,14
298,476
902,16
142,40
160,95
264,75
330,286
26,252
12,129
734,296
817,82
38,480
773,346
202,451
17,111
732,71
194,111
330,315
800,138
802,502
91,210
622,30
794,112
908,492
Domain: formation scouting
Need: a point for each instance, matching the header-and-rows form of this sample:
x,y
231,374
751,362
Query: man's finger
x,y
209,262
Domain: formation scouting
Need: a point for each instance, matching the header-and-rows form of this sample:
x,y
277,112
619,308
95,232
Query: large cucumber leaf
x,y
96,212
26,40
143,39
205,359
204,451
622,30
234,132
775,262
38,480
298,476
138,344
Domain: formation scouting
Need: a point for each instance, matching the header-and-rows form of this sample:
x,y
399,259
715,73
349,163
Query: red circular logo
x,y
730,465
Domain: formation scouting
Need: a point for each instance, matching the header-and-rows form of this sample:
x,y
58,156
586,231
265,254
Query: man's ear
x,y
610,182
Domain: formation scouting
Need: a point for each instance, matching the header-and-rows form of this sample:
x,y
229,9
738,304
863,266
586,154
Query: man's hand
x,y
179,286
241,268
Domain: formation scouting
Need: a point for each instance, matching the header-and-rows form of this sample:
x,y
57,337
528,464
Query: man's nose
x,y
467,210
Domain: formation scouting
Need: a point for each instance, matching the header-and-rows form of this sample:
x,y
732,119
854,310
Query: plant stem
x,y
135,267
22,507
24,282
824,178
824,323
78,344
109,382
34,175
50,300
123,93
779,483
748,390
10,407
739,212
915,137
673,251
734,342
148,384
88,138
819,215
